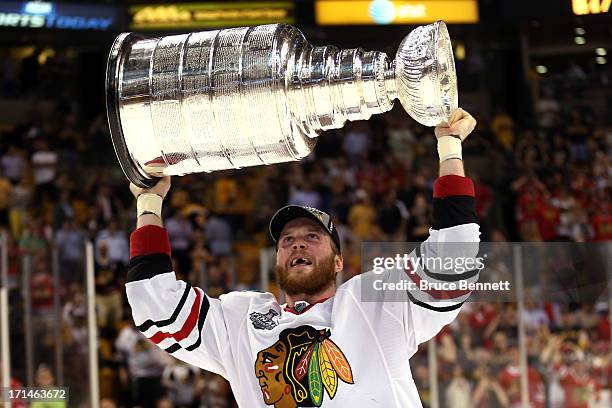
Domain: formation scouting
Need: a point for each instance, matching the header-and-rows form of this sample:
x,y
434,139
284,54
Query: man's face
x,y
305,260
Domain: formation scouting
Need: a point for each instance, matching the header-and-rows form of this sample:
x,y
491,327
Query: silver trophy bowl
x,y
240,97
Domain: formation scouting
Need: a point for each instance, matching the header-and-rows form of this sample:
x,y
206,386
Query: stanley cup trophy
x,y
248,96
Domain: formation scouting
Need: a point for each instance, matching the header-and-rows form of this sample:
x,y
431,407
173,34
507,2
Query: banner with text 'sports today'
x,y
61,16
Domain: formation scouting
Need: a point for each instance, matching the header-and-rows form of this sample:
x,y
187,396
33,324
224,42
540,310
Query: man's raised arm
x,y
172,314
454,233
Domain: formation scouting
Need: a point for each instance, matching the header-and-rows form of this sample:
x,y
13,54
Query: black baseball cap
x,y
291,212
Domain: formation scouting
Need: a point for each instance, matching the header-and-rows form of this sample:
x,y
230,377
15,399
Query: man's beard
x,y
309,283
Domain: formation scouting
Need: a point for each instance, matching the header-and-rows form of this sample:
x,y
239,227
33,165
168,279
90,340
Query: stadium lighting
x,y
601,52
38,7
584,7
580,40
460,51
45,55
579,31
600,60
541,69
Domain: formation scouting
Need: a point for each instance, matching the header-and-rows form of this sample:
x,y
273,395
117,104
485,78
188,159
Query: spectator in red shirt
x,y
42,286
579,386
510,379
581,187
602,222
548,219
603,323
530,192
484,197
14,385
482,316
484,200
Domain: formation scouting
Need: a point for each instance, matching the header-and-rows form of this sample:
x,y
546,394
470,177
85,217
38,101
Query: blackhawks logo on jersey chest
x,y
300,368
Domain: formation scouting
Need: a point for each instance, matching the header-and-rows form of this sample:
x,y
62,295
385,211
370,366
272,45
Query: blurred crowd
x,y
479,363
544,180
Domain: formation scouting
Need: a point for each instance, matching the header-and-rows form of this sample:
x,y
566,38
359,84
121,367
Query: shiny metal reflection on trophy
x,y
248,96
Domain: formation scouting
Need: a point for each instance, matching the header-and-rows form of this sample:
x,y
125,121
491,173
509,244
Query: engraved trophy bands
x,y
248,96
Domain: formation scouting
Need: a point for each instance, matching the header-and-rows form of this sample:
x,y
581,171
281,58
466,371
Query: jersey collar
x,y
302,306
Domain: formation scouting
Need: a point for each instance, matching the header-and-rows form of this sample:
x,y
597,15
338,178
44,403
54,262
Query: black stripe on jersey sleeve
x,y
202,317
173,348
434,308
446,277
161,323
452,211
147,266
203,312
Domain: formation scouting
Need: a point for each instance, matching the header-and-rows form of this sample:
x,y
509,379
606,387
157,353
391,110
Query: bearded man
x,y
326,346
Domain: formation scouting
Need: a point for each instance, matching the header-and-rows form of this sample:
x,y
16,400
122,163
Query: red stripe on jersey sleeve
x,y
188,326
453,185
149,239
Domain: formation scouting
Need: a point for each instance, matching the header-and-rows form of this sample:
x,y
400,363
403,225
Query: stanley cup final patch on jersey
x,y
301,367
264,321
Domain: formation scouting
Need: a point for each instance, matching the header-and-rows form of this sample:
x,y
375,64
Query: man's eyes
x,y
311,236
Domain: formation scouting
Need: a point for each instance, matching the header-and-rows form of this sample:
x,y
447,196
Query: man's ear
x,y
338,263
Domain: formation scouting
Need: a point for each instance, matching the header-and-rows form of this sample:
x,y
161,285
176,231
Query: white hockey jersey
x,y
338,352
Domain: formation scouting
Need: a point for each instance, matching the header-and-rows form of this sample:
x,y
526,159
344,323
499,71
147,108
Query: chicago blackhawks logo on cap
x,y
324,218
300,367
316,212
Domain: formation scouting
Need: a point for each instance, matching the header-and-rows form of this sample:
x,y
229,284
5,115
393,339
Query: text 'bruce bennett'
x,y
406,284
